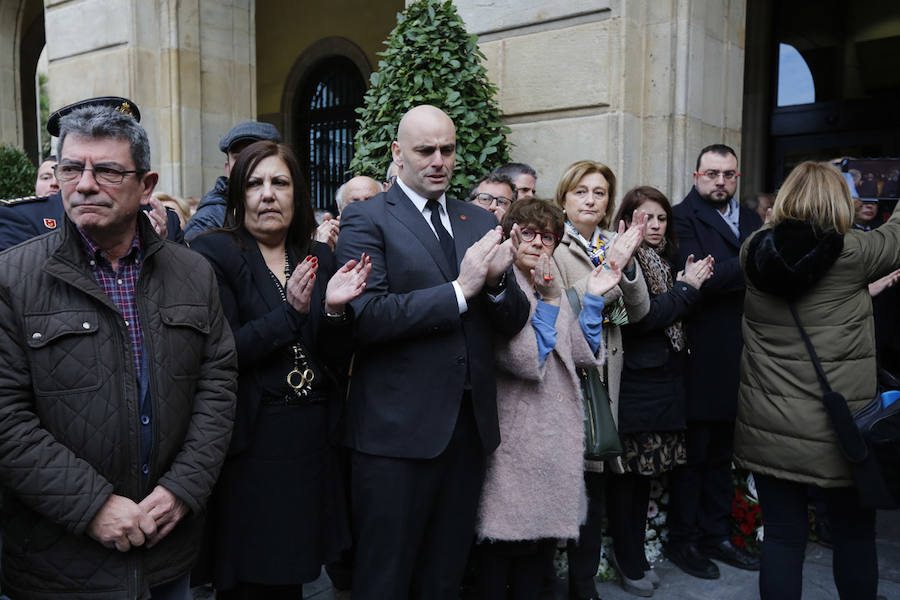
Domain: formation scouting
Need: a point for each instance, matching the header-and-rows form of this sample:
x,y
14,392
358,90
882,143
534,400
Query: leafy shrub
x,y
17,174
430,59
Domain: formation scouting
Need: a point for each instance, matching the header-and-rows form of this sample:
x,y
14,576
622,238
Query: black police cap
x,y
123,105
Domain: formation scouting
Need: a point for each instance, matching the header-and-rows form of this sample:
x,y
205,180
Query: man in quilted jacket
x,y
117,382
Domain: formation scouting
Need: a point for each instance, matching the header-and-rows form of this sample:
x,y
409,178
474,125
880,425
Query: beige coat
x,y
575,267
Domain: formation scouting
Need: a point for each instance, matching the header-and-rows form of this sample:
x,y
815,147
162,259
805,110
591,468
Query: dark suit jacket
x,y
265,327
714,326
414,347
26,218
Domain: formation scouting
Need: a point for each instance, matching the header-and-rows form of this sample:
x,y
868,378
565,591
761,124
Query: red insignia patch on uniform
x,y
463,217
50,223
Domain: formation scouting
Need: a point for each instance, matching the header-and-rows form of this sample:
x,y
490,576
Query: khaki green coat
x,y
782,428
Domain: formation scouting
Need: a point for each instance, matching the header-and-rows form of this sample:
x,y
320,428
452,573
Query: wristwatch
x,y
501,285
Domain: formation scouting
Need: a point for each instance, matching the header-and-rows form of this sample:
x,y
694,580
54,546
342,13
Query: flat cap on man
x,y
123,105
250,130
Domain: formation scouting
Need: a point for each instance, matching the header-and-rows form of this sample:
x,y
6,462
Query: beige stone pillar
x,y
10,94
188,64
641,85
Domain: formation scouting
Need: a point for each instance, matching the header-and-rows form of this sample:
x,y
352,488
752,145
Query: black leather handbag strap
x,y
849,437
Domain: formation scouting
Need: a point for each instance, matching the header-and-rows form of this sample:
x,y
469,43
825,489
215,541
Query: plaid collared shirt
x,y
119,285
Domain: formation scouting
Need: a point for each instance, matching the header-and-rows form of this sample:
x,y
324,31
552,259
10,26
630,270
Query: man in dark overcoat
x,y
710,221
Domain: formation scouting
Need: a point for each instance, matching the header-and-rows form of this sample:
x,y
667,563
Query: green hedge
x,y
430,59
17,173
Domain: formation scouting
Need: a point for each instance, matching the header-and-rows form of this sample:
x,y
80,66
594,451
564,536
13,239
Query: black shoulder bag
x,y
869,439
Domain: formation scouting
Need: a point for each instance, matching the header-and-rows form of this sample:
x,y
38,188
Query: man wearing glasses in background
x,y
495,193
118,376
711,221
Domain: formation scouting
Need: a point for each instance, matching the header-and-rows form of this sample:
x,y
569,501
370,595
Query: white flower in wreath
x,y
652,509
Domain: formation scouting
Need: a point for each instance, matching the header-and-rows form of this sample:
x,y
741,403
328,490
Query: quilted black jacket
x,y
69,430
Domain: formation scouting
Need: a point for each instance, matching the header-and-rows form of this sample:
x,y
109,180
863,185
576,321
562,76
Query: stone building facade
x,y
641,85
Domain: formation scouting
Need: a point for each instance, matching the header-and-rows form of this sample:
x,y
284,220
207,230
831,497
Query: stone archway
x,y
313,55
21,42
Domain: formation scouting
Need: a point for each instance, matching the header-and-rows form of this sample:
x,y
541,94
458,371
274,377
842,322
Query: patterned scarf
x,y
659,281
615,312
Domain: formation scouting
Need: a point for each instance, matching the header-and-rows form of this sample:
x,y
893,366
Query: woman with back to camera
x,y
586,193
808,254
651,398
274,518
533,490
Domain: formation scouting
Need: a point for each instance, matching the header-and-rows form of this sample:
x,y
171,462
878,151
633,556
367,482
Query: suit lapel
x,y
463,235
259,271
403,209
709,215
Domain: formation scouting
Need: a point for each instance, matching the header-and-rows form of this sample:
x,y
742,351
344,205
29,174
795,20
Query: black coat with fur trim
x,y
782,428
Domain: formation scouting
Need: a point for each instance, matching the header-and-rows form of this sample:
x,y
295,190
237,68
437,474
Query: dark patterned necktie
x,y
446,240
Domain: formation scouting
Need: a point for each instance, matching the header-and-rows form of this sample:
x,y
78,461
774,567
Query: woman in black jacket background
x,y
651,401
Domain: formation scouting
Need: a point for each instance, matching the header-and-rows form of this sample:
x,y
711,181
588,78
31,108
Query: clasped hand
x,y
696,273
486,260
123,524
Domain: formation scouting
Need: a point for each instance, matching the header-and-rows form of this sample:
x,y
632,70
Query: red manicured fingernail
x,y
548,277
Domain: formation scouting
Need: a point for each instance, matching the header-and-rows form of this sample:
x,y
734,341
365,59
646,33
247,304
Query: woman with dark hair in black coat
x,y
273,510
651,398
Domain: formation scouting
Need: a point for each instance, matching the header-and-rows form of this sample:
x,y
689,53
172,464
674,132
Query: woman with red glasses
x,y
534,491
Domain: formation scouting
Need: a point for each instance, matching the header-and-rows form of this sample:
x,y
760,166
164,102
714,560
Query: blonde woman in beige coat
x,y
586,193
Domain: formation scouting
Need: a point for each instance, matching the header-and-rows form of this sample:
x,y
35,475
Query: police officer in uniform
x,y
24,218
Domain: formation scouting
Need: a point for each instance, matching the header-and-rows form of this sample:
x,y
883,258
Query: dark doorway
x,y
836,88
325,118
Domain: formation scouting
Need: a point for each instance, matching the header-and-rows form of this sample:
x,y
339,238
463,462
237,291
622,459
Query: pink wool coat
x,y
534,486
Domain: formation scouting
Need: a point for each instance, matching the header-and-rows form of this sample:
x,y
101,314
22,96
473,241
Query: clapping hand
x,y
158,217
604,277
504,257
888,281
545,282
625,244
696,273
477,263
298,290
327,231
347,283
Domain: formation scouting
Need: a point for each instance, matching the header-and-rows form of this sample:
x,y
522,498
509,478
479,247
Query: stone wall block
x,y
712,15
110,24
101,73
735,87
483,16
714,96
560,69
657,143
659,70
570,139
